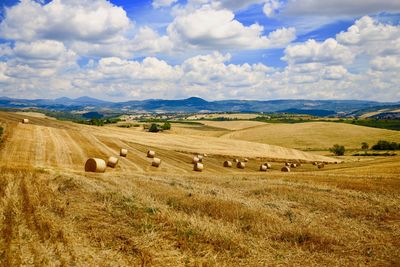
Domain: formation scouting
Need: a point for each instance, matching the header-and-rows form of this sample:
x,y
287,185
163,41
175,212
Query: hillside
x,y
137,215
314,135
195,105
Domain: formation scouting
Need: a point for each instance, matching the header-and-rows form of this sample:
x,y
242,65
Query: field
x,y
314,135
53,213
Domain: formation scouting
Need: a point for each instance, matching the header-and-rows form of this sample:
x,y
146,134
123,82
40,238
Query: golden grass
x,y
53,213
314,135
233,125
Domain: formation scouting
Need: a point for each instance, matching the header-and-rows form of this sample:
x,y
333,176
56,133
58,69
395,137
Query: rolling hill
x,y
54,213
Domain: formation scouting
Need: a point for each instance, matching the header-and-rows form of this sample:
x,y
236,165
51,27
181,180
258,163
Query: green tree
x,y
154,128
338,150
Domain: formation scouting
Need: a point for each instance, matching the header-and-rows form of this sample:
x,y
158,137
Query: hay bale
x,y
285,169
293,165
269,166
25,121
156,162
123,152
151,154
241,165
287,164
205,155
263,168
315,163
195,160
198,167
246,160
95,165
321,165
200,157
112,162
235,160
227,164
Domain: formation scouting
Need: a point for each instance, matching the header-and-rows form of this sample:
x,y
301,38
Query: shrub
x,y
337,150
166,126
385,145
364,146
154,128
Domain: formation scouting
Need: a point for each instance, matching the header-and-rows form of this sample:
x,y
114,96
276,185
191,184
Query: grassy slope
x,y
314,135
135,215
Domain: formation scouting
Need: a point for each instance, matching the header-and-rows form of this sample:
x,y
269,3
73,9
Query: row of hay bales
x,y
100,165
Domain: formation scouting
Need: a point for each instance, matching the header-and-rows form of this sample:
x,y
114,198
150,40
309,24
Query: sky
x,y
121,50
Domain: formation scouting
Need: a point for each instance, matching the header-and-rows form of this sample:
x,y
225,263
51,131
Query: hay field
x,y
241,116
232,125
314,135
53,213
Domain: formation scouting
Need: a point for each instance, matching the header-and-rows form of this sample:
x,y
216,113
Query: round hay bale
x,y
227,164
195,160
156,162
263,168
198,167
287,164
95,165
285,169
151,154
25,121
241,165
269,166
235,160
123,152
112,162
246,160
293,165
321,165
200,157
336,162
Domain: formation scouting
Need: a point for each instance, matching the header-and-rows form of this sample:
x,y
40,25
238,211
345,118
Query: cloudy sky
x,y
214,49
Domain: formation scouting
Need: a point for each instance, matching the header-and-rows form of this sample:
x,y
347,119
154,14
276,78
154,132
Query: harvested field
x,y
53,213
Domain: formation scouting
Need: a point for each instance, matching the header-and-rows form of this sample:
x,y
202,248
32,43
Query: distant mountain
x,y
195,104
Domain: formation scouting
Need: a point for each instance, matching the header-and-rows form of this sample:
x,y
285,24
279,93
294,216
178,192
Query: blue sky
x,y
216,49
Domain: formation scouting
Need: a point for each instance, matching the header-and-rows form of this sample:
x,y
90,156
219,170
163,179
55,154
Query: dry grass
x,y
314,135
52,213
233,125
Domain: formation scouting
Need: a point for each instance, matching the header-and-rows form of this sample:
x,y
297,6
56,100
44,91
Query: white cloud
x,y
328,52
162,3
271,6
211,28
83,20
371,37
340,8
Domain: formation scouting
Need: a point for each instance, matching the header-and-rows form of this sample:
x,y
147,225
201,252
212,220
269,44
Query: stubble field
x,y
53,213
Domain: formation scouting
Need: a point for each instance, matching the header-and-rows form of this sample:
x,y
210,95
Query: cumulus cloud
x,y
328,52
61,20
371,37
218,29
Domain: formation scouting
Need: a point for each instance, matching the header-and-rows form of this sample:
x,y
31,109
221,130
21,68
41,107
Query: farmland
x,y
53,213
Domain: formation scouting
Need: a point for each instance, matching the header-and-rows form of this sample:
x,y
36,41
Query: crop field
x,y
55,214
314,135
